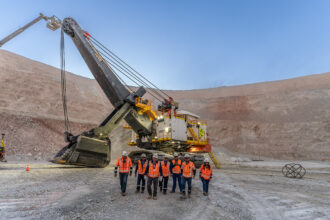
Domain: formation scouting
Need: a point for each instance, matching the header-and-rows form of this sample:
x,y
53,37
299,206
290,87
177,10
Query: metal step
x,y
215,161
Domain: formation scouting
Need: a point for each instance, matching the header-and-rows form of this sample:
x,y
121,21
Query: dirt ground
x,y
255,190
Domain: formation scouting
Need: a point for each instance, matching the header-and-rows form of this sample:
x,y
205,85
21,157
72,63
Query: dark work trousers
x,y
155,182
176,177
205,185
184,181
163,184
123,181
140,179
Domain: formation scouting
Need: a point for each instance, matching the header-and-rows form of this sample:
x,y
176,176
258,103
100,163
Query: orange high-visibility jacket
x,y
142,169
153,171
206,172
124,167
188,169
165,169
176,166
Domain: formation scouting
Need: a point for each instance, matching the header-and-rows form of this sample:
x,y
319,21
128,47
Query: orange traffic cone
x,y
27,168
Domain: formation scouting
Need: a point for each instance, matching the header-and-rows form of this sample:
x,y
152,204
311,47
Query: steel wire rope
x,y
63,84
123,68
101,45
114,65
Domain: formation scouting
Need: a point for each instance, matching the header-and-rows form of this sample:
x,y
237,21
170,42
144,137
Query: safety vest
x,y
153,170
165,169
2,146
124,167
187,169
142,169
176,166
206,172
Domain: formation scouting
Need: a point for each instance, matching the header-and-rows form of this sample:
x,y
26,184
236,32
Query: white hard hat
x,y
143,155
155,156
124,153
166,156
206,160
176,154
186,156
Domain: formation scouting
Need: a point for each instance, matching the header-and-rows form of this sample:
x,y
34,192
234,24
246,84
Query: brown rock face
x,y
288,119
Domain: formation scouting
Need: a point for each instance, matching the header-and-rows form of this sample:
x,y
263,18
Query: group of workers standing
x,y
158,173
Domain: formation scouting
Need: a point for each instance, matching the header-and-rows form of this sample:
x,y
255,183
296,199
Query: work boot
x,y
183,196
149,197
164,192
154,198
137,191
204,193
207,194
189,195
142,191
123,194
172,191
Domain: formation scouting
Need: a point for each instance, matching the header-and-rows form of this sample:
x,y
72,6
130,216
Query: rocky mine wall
x,y
288,119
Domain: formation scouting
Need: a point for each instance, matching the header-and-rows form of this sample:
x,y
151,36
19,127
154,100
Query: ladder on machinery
x,y
214,159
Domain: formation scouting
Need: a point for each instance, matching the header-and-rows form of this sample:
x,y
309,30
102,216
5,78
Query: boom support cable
x,y
118,68
128,66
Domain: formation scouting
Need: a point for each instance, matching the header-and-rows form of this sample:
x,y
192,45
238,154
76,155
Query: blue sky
x,y
185,44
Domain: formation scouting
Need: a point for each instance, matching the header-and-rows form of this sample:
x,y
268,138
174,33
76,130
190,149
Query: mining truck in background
x,y
164,129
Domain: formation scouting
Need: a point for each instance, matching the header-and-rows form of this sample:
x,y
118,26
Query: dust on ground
x,y
242,191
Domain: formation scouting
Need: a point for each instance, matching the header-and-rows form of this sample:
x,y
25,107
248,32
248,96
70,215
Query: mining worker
x,y
188,172
206,175
2,148
141,169
153,170
125,166
165,166
175,170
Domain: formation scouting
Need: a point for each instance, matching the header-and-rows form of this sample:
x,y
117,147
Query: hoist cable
x,y
63,84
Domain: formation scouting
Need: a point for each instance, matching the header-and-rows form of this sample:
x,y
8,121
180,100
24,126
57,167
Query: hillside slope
x,y
288,119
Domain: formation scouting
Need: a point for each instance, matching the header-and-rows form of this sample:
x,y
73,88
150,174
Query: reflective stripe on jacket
x,y
176,166
153,170
187,169
165,169
124,167
206,172
142,169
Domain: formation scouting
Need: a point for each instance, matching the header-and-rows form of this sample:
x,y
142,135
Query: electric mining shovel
x,y
164,130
